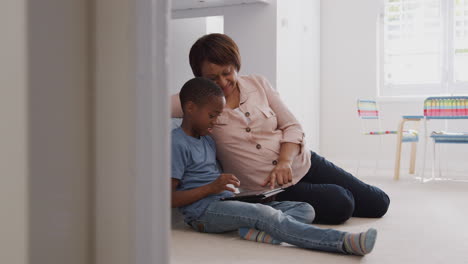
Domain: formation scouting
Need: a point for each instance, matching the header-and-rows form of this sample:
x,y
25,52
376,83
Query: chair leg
x,y
379,154
396,175
433,159
413,158
417,127
397,162
424,151
440,162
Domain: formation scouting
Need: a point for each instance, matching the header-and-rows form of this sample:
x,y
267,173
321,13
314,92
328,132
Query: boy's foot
x,y
361,243
257,235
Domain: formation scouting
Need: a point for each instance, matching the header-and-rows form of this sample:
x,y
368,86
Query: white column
x,y
132,132
152,188
13,137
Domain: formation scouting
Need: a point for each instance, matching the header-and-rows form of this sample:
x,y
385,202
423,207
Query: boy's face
x,y
204,117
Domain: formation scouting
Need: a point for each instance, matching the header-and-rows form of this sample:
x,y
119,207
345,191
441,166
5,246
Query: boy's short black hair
x,y
199,90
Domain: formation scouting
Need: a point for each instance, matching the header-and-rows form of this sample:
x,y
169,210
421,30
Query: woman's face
x,y
223,75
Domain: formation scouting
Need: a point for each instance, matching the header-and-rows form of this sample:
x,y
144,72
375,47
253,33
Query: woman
x,y
260,141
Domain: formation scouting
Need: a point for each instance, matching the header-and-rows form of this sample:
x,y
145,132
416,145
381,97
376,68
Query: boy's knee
x,y
308,211
263,211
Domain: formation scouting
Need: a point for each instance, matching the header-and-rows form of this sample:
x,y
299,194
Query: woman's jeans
x,y
285,221
335,194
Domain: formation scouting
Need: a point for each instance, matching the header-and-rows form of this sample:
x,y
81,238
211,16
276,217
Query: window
x,y
424,48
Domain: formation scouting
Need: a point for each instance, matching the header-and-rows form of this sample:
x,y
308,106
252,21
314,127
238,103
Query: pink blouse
x,y
248,146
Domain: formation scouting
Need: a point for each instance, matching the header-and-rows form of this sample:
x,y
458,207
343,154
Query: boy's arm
x,y
181,198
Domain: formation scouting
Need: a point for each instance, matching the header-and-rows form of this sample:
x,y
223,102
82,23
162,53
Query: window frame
x,y
447,85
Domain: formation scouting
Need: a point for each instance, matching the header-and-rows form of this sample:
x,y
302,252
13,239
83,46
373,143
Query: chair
x,y
445,107
367,109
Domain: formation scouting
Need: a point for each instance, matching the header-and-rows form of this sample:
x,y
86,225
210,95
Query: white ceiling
x,y
191,4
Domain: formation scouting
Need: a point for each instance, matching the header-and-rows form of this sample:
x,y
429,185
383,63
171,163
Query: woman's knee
x,y
373,203
337,207
380,203
344,204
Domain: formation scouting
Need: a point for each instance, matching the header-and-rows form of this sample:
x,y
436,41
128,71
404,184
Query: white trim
x,y
152,192
178,5
199,12
211,10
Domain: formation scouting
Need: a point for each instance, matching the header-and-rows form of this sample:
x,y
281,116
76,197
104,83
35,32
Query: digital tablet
x,y
253,196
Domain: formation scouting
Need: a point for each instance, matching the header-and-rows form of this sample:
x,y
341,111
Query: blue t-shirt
x,y
194,164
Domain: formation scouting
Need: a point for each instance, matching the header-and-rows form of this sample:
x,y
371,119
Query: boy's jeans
x,y
285,221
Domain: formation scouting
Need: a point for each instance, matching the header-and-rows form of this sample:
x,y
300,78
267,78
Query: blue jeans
x,y
336,194
288,222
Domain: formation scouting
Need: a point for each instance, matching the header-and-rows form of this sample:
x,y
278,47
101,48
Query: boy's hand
x,y
220,183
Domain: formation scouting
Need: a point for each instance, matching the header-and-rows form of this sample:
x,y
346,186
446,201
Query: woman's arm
x,y
292,143
287,122
176,108
181,198
288,152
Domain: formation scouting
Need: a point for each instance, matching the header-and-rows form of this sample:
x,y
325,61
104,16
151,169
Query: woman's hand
x,y
220,183
281,174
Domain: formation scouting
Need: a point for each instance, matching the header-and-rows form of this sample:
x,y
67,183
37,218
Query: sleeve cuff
x,y
296,137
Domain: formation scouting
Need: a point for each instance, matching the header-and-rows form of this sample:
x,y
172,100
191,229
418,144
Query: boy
x,y
198,185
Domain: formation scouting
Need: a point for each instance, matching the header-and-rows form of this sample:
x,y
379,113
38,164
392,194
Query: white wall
x,y
348,71
114,131
47,143
46,140
13,139
59,134
183,33
287,55
253,28
298,63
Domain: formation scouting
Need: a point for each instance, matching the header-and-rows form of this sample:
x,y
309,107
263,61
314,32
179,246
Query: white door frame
x,y
152,186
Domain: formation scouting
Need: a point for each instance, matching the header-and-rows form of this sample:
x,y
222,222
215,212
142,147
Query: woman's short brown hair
x,y
216,48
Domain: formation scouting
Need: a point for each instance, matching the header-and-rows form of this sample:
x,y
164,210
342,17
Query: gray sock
x,y
360,243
